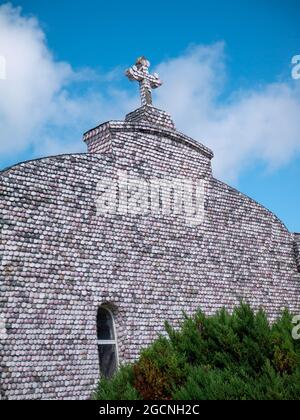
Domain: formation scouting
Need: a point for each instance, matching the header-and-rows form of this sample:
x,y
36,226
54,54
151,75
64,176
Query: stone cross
x,y
139,72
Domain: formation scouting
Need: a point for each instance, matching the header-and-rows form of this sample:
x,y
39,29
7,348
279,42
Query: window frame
x,y
110,342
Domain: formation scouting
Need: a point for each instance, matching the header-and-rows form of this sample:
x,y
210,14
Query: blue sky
x,y
231,61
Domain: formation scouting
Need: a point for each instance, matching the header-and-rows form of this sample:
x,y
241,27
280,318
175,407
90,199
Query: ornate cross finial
x,y
139,72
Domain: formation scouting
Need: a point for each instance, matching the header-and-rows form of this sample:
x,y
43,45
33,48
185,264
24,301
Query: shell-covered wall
x,y
60,259
297,249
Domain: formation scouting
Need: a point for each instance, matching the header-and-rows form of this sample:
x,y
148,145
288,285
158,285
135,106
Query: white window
x,y
107,342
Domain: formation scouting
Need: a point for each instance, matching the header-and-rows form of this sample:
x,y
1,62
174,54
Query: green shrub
x,y
159,370
237,356
120,387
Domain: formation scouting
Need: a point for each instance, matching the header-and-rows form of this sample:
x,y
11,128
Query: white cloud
x,y
262,125
42,111
39,110
33,79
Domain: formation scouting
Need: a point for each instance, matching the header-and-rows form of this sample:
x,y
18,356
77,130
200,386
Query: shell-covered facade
x,y
61,257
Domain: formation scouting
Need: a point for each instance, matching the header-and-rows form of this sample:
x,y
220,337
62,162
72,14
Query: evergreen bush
x,y
237,356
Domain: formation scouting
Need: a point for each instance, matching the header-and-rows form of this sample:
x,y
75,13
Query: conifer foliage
x,y
237,356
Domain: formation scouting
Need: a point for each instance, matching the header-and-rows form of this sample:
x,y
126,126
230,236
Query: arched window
x,y
107,342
